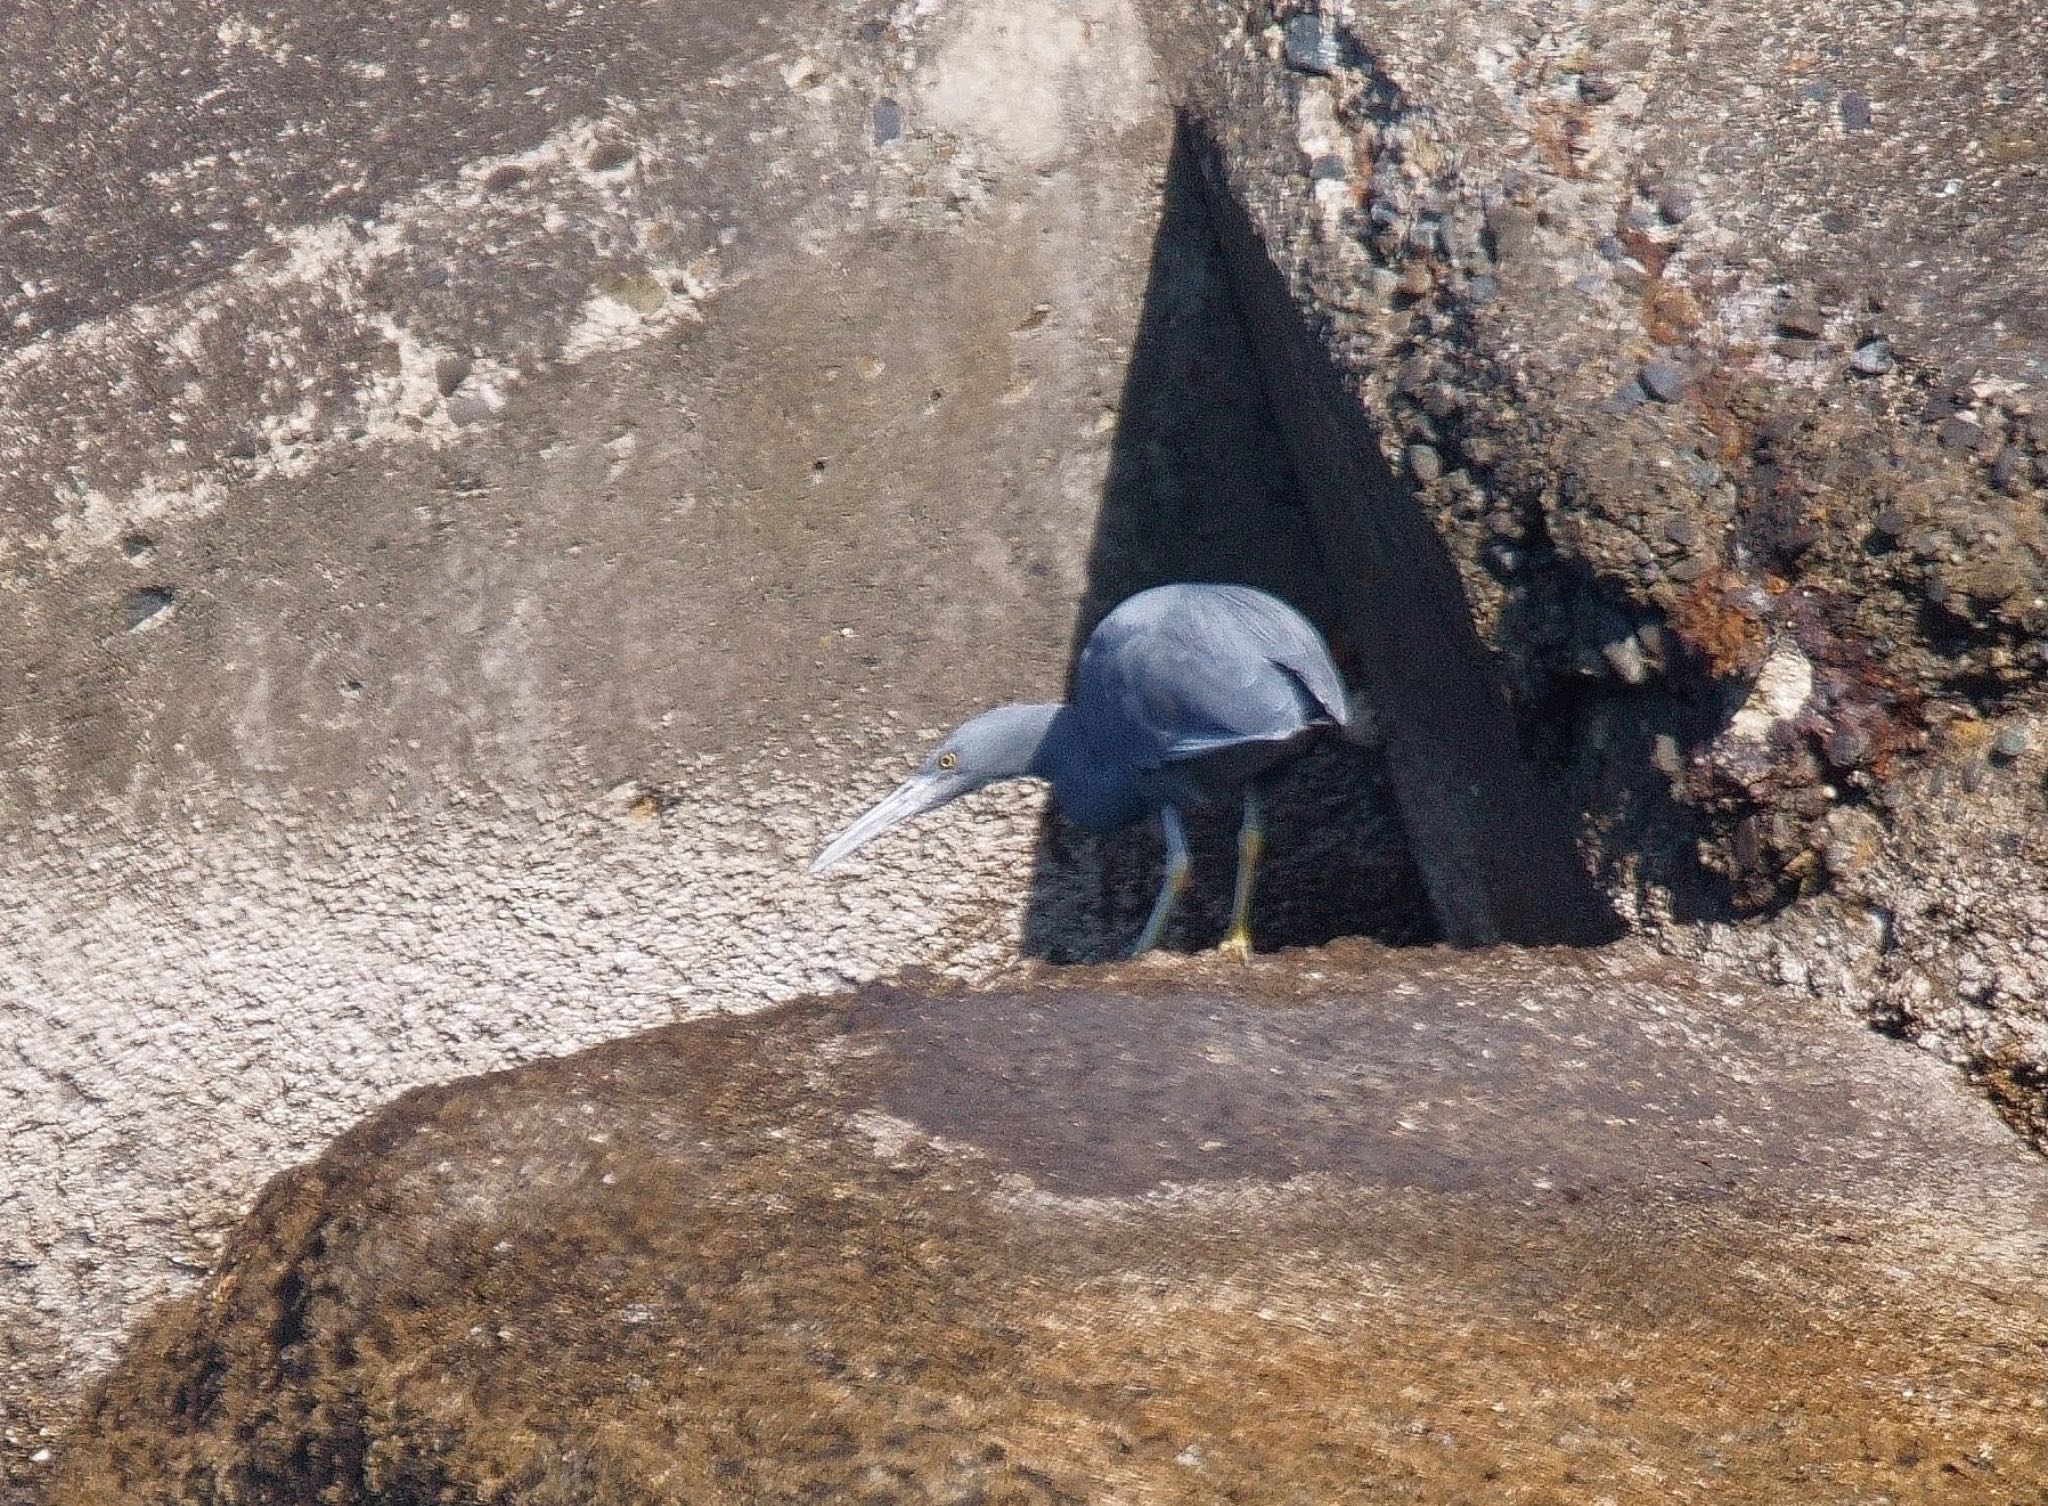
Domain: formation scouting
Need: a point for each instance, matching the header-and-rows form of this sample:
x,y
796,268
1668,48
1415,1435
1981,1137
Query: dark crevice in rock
x,y
1495,846
1201,486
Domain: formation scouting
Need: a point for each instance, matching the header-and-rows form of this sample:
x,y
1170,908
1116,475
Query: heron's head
x,y
999,744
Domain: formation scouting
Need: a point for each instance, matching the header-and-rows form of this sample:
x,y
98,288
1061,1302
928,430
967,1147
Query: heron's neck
x,y
1011,741
1033,735
1062,744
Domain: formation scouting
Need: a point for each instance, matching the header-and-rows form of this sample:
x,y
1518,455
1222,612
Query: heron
x,y
1185,695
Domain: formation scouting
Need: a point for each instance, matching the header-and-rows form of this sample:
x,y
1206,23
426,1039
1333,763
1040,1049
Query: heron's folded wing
x,y
1178,673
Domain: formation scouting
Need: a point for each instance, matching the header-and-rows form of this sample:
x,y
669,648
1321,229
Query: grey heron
x,y
1185,695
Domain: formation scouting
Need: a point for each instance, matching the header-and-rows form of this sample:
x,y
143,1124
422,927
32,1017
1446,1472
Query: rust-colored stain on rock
x,y
1348,1225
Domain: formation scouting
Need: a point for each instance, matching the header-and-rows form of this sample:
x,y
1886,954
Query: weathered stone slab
x,y
1348,1225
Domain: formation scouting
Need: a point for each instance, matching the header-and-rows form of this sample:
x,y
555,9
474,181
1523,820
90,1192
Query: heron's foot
x,y
1236,945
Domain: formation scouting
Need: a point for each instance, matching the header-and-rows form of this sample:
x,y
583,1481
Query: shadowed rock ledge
x,y
1346,1225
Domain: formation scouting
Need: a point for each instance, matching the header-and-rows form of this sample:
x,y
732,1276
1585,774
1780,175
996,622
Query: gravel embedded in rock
x,y
1424,463
1675,205
1855,111
1682,531
1849,747
2011,470
1311,47
1959,434
449,373
888,121
1802,320
1871,358
1598,88
1624,657
2010,743
1663,380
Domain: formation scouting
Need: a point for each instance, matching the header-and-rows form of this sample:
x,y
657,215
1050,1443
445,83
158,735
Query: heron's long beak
x,y
913,797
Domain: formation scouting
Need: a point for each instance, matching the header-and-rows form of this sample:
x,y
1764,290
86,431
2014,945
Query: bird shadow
x,y
1200,488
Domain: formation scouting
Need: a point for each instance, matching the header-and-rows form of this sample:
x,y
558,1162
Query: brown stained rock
x,y
1867,191
1351,1225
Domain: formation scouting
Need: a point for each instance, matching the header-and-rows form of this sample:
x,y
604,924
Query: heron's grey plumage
x,y
1183,695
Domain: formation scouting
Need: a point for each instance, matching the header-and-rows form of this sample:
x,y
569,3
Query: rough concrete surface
x,y
484,492
1712,340
1348,1225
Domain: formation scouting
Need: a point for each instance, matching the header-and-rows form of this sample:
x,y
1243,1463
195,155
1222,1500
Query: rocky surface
x,y
483,492
1356,1224
1712,339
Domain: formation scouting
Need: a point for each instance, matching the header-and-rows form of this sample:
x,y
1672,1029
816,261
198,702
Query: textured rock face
x,y
1347,1225
1712,342
484,491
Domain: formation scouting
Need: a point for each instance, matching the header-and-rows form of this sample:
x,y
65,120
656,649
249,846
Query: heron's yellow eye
x,y
948,760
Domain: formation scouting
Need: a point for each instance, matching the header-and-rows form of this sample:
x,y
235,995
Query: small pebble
x,y
1849,747
1797,350
1413,375
449,373
2010,471
1688,569
1309,45
1683,532
1416,280
1891,522
1624,657
1855,110
888,121
1597,88
1663,380
1424,463
1676,205
1665,756
1802,320
1871,358
2010,743
1959,434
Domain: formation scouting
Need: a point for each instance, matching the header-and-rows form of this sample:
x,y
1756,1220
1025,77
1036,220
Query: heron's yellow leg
x,y
1170,886
1251,842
